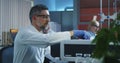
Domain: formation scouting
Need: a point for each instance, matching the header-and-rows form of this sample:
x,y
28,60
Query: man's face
x,y
41,20
95,28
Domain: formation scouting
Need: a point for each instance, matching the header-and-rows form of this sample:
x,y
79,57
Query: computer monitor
x,y
70,49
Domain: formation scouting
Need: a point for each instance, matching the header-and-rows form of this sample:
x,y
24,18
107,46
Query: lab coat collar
x,y
33,28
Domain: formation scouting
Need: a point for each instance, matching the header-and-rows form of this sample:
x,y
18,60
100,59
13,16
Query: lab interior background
x,y
65,15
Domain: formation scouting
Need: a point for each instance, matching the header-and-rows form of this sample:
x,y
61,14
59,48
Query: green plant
x,y
106,36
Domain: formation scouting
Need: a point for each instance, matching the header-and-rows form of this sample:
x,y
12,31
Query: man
x,y
32,43
93,28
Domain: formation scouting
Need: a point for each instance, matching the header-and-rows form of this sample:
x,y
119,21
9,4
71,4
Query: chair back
x,y
6,54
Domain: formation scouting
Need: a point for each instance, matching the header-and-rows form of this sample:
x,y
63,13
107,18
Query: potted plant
x,y
104,38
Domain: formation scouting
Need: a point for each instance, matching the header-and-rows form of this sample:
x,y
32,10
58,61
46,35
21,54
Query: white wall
x,y
13,14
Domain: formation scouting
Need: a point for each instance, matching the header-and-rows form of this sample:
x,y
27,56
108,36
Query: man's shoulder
x,y
23,29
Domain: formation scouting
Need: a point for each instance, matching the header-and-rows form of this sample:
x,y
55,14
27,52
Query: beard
x,y
42,27
45,29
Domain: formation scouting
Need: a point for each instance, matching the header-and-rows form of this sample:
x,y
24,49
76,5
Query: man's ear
x,y
34,17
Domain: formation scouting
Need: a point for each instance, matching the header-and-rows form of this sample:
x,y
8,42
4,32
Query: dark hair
x,y
37,10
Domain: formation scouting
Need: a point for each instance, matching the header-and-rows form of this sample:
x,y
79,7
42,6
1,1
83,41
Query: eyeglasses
x,y
44,16
96,26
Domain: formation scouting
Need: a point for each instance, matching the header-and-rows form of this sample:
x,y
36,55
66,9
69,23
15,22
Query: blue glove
x,y
82,34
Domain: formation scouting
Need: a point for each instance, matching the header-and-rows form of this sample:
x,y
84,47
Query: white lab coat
x,y
30,45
